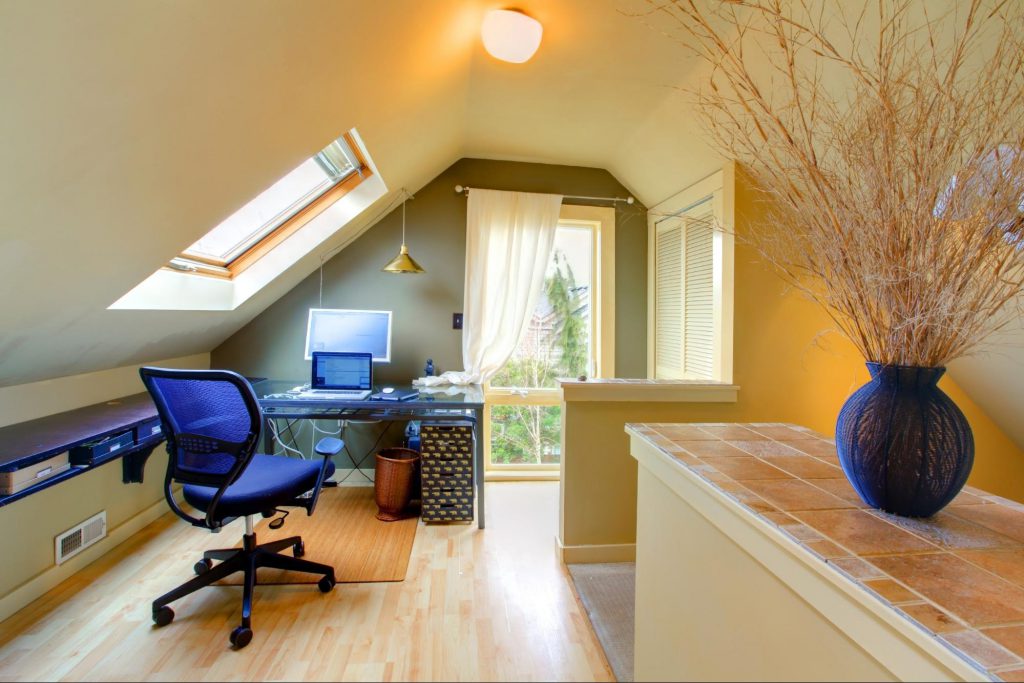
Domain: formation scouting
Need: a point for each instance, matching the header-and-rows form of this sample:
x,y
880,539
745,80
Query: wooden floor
x,y
477,605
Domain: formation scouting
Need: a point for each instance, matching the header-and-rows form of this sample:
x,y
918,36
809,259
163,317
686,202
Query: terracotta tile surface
x,y
892,591
685,433
983,650
805,467
764,449
801,531
731,432
863,533
816,447
779,518
948,531
783,432
686,458
932,618
841,488
998,518
1008,564
711,449
856,567
793,494
959,574
1010,637
965,498
827,549
747,467
977,597
754,502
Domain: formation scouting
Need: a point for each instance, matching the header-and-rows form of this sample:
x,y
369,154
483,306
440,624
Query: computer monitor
x,y
341,371
352,331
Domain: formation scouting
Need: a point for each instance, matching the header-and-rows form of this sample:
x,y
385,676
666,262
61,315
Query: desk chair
x,y
212,421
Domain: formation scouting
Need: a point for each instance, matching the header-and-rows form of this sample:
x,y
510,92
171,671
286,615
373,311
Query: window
x,y
690,321
563,339
317,203
684,265
281,208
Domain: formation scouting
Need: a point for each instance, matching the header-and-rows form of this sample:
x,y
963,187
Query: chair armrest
x,y
329,446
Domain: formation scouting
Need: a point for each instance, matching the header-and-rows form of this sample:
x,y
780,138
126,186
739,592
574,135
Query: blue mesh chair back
x,y
211,419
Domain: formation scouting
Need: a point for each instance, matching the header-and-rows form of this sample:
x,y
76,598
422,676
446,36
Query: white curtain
x,y
509,236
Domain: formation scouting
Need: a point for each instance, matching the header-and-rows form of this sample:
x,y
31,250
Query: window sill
x,y
522,475
649,390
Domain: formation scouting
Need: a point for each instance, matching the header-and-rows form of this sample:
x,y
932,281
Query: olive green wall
x,y
271,345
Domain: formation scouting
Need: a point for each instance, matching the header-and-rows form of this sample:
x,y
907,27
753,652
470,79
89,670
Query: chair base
x,y
248,559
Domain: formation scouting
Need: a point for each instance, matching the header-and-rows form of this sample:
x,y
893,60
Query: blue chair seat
x,y
268,481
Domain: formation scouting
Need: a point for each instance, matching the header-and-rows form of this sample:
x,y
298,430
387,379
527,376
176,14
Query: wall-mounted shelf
x,y
30,442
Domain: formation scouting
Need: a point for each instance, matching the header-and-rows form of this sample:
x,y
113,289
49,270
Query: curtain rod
x,y
629,200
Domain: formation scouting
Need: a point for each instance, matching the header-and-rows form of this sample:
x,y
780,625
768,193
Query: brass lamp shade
x,y
403,263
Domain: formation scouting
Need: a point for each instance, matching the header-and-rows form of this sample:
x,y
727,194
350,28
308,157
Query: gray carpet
x,y
608,594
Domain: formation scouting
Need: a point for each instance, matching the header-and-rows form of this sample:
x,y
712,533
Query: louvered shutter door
x,y
669,301
698,304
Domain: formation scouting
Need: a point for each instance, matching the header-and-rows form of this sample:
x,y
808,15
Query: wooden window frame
x,y
210,268
720,188
602,321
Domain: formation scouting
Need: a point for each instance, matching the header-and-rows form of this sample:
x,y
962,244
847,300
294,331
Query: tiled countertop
x,y
958,575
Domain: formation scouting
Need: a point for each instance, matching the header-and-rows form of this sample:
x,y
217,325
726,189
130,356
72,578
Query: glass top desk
x,y
434,404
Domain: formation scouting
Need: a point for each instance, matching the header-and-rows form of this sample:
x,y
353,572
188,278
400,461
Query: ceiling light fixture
x,y
510,35
403,263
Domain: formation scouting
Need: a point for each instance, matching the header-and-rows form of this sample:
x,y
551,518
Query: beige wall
x,y
30,524
786,373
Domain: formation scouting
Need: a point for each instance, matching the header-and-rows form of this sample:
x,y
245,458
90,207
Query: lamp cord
x,y
402,196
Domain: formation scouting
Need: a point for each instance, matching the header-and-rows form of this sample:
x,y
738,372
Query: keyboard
x,y
336,395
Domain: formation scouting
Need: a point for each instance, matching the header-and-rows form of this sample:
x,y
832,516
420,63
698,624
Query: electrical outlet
x,y
456,321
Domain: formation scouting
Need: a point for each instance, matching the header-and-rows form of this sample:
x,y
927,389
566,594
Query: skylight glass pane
x,y
272,207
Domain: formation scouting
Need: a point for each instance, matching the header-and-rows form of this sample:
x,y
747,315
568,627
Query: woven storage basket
x,y
393,482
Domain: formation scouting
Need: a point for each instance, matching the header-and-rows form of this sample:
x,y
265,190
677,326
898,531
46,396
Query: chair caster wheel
x,y
299,549
326,584
163,616
202,566
240,637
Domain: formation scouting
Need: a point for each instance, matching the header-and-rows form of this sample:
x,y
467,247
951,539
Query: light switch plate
x,y
456,321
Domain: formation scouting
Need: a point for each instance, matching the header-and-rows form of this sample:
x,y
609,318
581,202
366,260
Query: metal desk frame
x,y
427,408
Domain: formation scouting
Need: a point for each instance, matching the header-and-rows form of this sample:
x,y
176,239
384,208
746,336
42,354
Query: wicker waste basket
x,y
393,482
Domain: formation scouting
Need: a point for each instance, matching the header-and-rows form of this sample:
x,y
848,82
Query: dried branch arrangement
x,y
887,141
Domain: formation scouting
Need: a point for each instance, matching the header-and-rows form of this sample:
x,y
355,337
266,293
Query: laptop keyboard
x,y
354,395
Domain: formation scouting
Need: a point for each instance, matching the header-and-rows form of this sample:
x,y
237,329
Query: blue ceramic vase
x,y
903,444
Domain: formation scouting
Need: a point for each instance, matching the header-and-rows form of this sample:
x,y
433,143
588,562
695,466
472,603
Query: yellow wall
x,y
786,373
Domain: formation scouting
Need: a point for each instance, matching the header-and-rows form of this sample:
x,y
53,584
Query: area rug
x,y
608,592
344,533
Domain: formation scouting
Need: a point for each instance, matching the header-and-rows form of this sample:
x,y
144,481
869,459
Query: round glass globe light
x,y
510,35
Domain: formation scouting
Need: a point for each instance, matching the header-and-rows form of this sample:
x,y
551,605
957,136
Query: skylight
x,y
247,227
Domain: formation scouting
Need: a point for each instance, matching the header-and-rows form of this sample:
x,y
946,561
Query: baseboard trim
x,y
38,586
591,554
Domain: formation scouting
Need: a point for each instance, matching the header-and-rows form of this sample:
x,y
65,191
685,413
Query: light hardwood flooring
x,y
495,604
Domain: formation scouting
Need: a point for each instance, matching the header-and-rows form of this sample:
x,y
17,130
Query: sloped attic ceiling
x,y
132,128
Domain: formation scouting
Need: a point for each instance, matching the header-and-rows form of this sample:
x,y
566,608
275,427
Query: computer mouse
x,y
387,390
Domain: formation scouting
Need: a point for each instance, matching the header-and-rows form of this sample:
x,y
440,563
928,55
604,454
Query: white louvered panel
x,y
669,303
699,297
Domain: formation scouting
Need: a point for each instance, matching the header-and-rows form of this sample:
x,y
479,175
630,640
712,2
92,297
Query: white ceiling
x,y
132,128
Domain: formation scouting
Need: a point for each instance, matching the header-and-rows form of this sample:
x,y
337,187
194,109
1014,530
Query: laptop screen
x,y
335,370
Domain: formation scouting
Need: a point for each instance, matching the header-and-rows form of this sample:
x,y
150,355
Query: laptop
x,y
341,376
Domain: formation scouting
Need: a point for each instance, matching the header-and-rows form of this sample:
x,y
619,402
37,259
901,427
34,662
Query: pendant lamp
x,y
403,263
